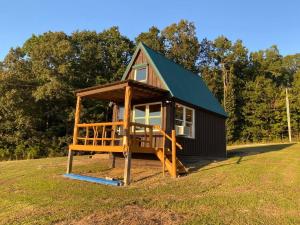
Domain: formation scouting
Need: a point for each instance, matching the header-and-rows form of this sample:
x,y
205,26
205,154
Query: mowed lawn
x,y
255,185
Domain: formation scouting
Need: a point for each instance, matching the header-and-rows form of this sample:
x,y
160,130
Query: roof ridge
x,y
172,61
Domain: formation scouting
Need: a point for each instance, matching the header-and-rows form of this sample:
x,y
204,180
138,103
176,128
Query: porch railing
x,y
112,133
140,137
102,134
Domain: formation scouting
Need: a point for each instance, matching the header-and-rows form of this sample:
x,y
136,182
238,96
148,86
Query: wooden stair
x,y
167,159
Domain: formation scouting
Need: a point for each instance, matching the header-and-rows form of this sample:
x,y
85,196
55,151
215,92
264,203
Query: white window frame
x,y
184,119
138,68
147,113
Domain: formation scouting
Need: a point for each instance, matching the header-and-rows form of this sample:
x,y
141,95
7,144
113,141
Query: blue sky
x,y
259,23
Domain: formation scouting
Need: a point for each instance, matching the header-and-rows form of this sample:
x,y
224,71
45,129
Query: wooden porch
x,y
125,136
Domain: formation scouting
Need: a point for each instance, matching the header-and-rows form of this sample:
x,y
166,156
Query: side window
x,y
141,74
189,119
184,121
179,111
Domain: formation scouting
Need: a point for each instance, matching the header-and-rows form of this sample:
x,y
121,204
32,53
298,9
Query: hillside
x,y
255,185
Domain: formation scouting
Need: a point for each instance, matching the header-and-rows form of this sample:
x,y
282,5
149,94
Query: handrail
x,y
148,133
100,124
140,125
167,136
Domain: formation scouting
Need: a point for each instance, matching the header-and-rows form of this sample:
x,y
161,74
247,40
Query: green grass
x,y
255,185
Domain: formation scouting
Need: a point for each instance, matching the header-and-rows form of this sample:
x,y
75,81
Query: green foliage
x,y
152,39
181,44
37,83
177,42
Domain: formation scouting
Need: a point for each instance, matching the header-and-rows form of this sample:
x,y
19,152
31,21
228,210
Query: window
x,y
141,74
121,113
148,114
184,116
140,114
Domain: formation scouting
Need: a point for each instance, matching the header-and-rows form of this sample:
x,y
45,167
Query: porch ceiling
x,y
116,91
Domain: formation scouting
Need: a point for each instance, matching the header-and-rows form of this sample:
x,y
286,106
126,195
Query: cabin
x,y
159,108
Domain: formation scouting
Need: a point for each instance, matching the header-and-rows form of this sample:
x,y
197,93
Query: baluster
x,y
86,135
95,128
103,134
113,131
145,136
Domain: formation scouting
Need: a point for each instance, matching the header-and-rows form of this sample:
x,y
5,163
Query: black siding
x,y
210,134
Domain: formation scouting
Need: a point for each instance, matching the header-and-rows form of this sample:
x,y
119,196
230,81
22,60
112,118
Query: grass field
x,y
255,185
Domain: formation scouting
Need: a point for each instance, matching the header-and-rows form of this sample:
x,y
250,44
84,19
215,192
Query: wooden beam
x,y
127,113
75,134
127,168
96,148
77,120
113,160
70,161
126,139
108,148
174,166
164,154
100,124
102,89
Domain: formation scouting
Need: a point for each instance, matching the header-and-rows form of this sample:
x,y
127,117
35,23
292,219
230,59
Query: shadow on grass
x,y
196,163
258,149
239,152
146,177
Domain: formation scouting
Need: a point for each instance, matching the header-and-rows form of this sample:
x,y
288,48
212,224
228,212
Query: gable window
x,y
184,121
140,73
148,114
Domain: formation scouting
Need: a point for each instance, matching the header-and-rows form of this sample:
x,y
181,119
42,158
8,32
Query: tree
x,y
38,81
223,66
18,123
181,44
260,104
152,38
295,104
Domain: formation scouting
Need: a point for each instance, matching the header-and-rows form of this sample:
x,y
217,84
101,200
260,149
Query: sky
x,y
259,23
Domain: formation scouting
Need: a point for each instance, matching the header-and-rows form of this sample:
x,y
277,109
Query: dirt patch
x,y
133,215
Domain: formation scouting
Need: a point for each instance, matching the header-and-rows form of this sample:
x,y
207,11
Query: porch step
x,y
181,169
168,161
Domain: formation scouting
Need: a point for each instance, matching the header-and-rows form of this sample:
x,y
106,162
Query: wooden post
x,y
113,160
126,139
127,168
164,154
151,137
288,114
75,134
174,167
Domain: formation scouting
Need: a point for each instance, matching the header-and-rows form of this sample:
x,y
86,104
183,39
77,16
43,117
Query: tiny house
x,y
159,108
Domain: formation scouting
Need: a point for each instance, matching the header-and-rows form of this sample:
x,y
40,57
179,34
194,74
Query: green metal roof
x,y
182,83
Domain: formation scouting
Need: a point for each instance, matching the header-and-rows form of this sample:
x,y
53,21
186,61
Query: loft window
x,y
148,114
140,73
184,121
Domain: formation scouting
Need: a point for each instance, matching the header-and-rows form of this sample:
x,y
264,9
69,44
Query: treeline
x,y
37,83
